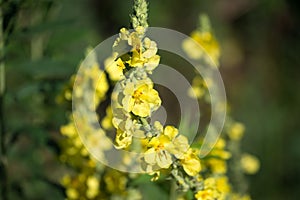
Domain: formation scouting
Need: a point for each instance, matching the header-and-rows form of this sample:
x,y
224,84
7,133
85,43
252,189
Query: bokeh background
x,y
46,39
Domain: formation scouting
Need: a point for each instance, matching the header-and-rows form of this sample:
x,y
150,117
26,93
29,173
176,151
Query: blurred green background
x,y
46,39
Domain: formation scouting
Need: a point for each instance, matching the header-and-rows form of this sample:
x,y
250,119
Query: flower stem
x,y
145,124
173,193
204,23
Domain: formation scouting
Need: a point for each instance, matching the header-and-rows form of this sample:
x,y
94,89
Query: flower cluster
x,y
134,96
214,181
203,42
135,100
89,179
166,152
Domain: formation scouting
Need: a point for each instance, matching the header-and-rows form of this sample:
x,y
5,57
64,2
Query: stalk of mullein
x,y
140,14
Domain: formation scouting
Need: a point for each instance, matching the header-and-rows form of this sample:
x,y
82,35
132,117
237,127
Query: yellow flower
x,y
146,58
152,63
202,42
151,48
114,67
209,43
68,130
121,119
209,191
140,98
157,155
126,126
123,139
222,184
93,72
140,59
100,85
134,40
208,194
191,163
72,193
106,122
92,79
92,187
236,131
192,49
210,183
218,150
142,52
198,88
217,165
123,35
250,164
97,142
115,181
137,60
66,180
164,146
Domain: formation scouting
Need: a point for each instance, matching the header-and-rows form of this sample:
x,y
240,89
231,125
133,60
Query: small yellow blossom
x,y
146,58
91,78
219,150
97,142
209,43
72,193
134,40
217,166
126,126
209,191
106,122
191,163
68,130
198,88
66,180
200,43
236,131
250,164
115,181
136,59
207,194
114,67
164,146
140,98
101,86
157,153
223,185
92,187
123,139
151,48
142,52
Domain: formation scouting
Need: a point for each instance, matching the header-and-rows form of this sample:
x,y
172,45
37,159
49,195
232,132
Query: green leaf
x,y
152,191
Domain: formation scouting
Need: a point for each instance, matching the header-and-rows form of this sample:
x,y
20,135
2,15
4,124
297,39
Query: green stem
x,y
3,159
145,124
238,177
204,23
173,193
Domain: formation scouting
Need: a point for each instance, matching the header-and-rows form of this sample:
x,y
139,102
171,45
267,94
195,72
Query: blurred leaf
x,y
152,191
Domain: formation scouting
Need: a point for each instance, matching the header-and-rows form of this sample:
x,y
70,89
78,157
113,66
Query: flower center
x,y
137,96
